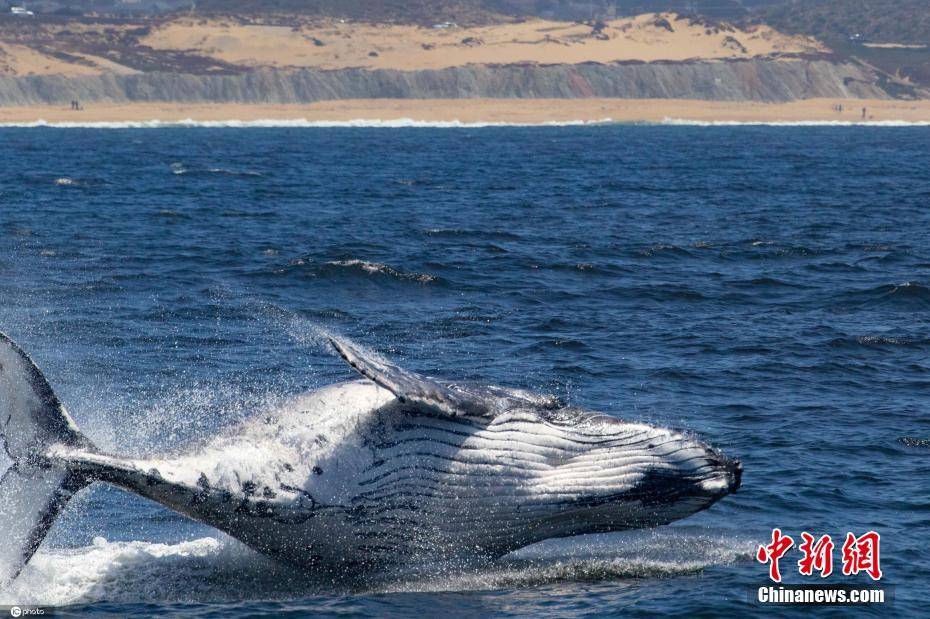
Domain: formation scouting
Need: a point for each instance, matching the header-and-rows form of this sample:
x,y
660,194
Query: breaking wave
x,y
354,266
402,123
297,123
880,341
794,123
179,169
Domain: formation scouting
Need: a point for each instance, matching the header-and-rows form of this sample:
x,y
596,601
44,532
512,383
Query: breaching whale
x,y
394,468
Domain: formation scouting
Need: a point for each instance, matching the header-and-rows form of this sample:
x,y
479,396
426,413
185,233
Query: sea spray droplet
x,y
911,441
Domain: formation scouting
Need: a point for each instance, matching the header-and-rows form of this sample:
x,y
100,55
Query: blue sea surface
x,y
765,287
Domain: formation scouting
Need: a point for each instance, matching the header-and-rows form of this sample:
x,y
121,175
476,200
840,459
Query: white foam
x,y
402,123
296,123
220,569
794,123
373,268
118,571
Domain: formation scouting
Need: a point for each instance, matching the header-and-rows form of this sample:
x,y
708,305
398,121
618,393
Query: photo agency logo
x,y
859,554
26,611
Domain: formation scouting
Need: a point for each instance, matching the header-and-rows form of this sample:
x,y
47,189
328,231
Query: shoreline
x,y
474,112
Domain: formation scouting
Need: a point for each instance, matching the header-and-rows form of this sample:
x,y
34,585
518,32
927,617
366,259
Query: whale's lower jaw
x,y
477,536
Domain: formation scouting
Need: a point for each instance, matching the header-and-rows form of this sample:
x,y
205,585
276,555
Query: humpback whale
x,y
390,468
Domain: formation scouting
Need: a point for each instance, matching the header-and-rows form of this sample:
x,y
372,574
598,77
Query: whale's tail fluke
x,y
36,488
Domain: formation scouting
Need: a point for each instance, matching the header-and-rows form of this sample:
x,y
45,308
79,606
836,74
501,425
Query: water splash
x,y
219,569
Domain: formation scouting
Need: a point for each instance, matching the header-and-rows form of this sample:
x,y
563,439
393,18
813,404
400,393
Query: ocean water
x,y
766,287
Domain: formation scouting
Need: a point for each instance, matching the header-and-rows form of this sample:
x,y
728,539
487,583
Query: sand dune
x,y
23,60
192,45
337,45
201,46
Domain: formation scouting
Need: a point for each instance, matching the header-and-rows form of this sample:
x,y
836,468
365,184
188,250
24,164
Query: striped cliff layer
x,y
758,80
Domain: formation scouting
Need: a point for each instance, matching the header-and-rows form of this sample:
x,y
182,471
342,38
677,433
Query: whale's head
x,y
610,475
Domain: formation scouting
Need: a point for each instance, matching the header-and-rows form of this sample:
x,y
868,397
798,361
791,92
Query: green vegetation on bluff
x,y
886,21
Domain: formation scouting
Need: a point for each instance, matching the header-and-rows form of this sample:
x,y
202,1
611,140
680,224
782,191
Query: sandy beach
x,y
518,111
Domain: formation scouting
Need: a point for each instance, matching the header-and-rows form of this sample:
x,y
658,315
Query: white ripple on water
x,y
402,123
373,268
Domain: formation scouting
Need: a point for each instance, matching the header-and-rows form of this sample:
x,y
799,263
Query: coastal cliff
x,y
759,80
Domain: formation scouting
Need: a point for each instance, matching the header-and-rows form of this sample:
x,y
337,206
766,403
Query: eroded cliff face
x,y
763,80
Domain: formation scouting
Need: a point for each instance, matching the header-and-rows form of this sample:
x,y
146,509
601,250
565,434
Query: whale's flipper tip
x,y
410,387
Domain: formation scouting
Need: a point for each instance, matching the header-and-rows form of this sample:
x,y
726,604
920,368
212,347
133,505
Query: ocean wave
x,y
497,235
172,214
794,123
764,282
907,295
223,570
180,169
70,181
227,172
403,123
296,123
659,292
879,341
355,266
377,268
665,250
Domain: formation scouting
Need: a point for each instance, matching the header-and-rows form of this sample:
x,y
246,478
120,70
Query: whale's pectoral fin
x,y
412,388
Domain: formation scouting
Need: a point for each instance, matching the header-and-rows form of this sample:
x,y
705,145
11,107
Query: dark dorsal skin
x,y
445,398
